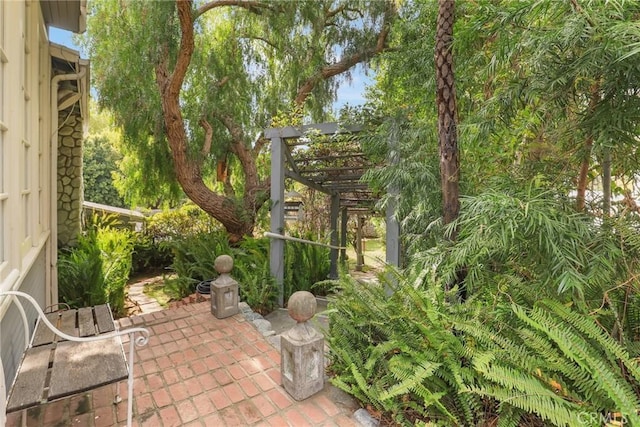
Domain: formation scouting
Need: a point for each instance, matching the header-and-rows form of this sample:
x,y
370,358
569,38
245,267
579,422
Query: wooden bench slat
x,y
68,322
82,366
43,335
86,327
104,319
29,384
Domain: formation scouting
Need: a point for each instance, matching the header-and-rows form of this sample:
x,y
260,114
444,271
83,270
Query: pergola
x,y
335,170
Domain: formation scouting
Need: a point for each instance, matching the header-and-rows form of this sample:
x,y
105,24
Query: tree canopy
x,y
193,84
547,93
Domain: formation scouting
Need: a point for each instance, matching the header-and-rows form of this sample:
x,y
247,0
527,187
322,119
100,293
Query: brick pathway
x,y
199,371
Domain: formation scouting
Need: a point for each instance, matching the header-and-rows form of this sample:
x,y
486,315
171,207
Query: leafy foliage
x,y
415,356
149,254
253,272
243,65
305,265
186,220
99,162
193,260
547,332
194,256
97,270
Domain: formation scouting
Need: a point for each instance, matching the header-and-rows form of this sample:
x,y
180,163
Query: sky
x,y
351,93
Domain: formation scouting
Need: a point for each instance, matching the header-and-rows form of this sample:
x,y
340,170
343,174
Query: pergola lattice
x,y
335,169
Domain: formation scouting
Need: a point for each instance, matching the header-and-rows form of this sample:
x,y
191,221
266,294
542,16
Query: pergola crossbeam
x,y
309,183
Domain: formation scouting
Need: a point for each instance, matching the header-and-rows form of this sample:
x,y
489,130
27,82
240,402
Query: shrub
x,y
546,331
116,248
193,260
253,272
80,275
418,358
305,265
97,269
149,254
187,220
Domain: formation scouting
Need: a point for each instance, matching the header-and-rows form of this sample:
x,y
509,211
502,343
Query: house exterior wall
x,y
25,184
70,192
25,167
28,170
12,338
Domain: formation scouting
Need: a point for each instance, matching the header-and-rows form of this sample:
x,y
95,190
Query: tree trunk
x,y
447,113
237,220
581,188
606,183
237,215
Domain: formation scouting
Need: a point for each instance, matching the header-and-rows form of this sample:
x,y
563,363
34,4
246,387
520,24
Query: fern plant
x,y
97,269
552,362
80,274
398,352
193,260
407,349
253,272
305,265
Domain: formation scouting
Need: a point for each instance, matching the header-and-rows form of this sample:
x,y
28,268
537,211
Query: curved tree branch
x,y
188,171
245,154
208,136
331,70
187,44
252,6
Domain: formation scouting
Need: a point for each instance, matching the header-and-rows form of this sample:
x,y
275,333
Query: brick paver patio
x,y
198,371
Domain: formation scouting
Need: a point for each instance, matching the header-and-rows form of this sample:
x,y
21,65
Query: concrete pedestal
x,y
224,290
302,350
302,362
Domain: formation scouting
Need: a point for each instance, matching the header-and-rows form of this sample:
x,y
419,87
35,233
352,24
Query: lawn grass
x,y
374,255
156,290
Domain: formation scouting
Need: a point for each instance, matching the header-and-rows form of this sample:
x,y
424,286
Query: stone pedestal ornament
x,y
302,350
224,289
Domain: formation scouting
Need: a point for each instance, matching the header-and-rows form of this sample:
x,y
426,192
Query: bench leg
x,y
117,397
130,383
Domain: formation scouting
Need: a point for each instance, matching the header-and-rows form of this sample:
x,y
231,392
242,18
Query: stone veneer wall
x,y
70,191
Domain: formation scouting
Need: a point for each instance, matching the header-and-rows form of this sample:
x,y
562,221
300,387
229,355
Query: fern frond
x,y
577,349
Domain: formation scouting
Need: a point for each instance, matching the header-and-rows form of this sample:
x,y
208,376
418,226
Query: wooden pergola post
x,y
276,246
333,254
344,219
359,251
335,181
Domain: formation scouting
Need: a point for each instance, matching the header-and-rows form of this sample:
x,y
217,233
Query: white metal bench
x,y
71,351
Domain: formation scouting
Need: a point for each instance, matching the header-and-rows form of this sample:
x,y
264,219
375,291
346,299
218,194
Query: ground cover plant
x,y
194,256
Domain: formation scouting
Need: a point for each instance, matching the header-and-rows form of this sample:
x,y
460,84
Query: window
x,y
27,82
43,138
3,129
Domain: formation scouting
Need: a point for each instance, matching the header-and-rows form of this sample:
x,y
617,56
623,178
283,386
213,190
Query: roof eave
x,y
68,15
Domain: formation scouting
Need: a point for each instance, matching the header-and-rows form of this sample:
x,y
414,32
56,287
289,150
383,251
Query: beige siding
x,y
25,167
11,328
25,159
